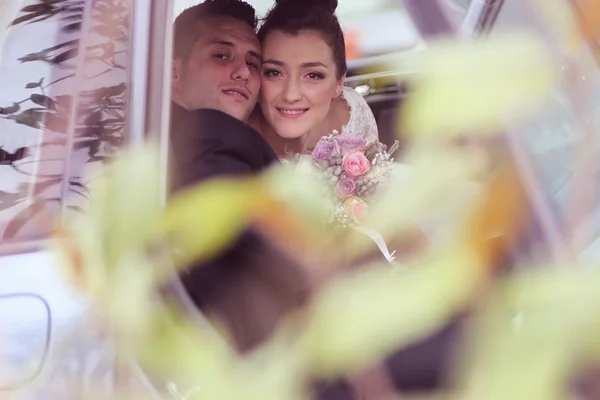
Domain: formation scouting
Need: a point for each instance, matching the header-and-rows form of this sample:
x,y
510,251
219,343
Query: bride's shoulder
x,y
353,98
361,117
349,101
350,93
349,98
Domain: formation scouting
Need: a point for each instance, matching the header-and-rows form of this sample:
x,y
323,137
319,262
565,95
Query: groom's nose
x,y
291,91
241,71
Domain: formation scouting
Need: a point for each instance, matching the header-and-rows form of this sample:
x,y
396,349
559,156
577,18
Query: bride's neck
x,y
301,144
305,142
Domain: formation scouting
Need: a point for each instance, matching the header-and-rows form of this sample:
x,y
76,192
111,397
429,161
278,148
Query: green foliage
x,y
124,247
476,87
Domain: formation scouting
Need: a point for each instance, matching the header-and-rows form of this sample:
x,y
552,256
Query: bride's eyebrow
x,y
304,65
313,64
274,62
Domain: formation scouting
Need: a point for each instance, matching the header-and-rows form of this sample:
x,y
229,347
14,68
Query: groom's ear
x,y
176,72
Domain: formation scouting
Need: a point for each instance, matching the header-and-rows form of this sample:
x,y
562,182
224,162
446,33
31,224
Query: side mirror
x,y
25,322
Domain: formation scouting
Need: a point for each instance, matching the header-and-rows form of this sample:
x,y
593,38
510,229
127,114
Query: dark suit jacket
x,y
252,284
208,143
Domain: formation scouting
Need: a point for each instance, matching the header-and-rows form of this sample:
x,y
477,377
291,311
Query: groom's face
x,y
222,71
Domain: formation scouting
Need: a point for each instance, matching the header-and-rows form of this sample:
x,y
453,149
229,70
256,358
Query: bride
x,y
304,66
303,98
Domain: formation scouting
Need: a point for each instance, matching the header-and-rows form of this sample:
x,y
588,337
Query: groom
x,y
215,86
216,82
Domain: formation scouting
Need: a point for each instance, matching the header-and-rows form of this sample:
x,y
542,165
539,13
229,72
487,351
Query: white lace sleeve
x,y
361,119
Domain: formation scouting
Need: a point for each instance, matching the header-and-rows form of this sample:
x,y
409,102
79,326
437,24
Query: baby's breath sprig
x,y
394,148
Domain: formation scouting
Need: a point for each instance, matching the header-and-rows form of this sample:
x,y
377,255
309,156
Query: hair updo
x,y
293,16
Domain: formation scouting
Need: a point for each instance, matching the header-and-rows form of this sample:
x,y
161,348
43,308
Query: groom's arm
x,y
252,284
214,144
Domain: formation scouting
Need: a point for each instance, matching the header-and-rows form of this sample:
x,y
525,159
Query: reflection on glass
x,y
24,334
62,107
561,140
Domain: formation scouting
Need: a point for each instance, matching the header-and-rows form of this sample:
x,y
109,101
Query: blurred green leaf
x,y
125,216
531,334
359,319
104,250
192,355
568,21
297,219
532,330
301,189
202,221
436,192
118,223
477,87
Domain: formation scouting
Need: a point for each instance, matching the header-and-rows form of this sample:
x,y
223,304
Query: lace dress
x,y
361,119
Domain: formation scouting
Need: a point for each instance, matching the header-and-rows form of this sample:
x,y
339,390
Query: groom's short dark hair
x,y
186,24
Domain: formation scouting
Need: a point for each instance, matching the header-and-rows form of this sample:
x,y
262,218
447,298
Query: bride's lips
x,y
292,113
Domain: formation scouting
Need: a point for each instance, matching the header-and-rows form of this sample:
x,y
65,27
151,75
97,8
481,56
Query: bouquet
x,y
353,170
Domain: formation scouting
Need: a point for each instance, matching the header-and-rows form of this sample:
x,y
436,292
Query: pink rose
x,y
351,144
355,165
355,208
323,150
346,188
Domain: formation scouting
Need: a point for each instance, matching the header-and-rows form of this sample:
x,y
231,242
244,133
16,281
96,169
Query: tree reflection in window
x,y
61,137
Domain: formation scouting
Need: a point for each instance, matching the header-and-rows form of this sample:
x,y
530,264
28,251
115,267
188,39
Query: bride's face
x,y
298,82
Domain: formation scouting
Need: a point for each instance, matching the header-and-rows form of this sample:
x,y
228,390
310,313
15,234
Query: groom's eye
x,y
221,56
252,64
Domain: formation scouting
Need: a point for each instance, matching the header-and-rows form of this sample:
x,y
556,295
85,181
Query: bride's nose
x,y
291,91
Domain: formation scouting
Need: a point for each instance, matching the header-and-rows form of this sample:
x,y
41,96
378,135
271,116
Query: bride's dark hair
x,y
293,16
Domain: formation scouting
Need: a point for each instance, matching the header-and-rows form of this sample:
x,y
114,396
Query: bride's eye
x,y
315,75
271,73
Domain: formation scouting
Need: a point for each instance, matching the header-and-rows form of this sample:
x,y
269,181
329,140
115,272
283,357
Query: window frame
x,y
159,69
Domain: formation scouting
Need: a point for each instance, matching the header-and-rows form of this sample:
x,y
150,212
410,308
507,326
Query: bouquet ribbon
x,y
379,241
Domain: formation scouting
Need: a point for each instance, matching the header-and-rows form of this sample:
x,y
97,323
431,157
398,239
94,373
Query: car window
x,y
554,141
63,73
